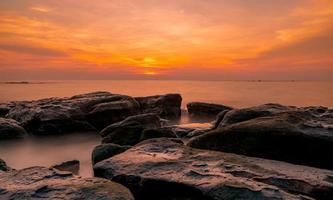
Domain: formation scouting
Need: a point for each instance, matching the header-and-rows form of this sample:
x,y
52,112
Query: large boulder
x,y
80,112
205,110
44,183
10,128
296,135
166,106
105,151
165,169
129,131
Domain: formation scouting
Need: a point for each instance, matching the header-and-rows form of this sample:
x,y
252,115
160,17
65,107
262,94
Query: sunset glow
x,y
188,39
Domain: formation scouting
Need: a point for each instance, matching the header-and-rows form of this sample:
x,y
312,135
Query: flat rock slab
x,y
42,183
165,169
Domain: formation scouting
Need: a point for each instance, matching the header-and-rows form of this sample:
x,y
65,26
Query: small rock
x,y
207,110
70,166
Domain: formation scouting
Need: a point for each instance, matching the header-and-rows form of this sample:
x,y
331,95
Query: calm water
x,y
50,150
233,93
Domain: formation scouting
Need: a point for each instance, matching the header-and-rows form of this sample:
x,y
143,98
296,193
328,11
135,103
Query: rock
x,y
104,151
70,166
10,128
44,183
84,112
128,131
164,169
296,135
166,106
4,109
157,133
3,166
114,110
206,110
191,129
240,115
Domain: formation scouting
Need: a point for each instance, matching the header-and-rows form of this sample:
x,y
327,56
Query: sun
x,y
150,73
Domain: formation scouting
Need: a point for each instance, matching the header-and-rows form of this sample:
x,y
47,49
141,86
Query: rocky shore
x,y
269,151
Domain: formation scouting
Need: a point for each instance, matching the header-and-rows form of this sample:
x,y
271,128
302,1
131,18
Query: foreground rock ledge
x,y
43,183
165,169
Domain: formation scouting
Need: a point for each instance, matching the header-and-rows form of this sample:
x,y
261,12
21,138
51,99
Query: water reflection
x,y
49,150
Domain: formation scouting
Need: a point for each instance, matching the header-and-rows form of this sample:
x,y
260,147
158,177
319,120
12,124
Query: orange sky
x,y
174,39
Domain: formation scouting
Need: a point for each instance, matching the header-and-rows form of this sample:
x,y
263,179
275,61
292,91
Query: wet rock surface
x,y
208,110
154,168
10,129
43,183
297,135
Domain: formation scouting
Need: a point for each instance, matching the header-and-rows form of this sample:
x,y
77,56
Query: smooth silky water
x,y
50,150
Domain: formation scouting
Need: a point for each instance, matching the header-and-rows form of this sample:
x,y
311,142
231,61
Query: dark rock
x,y
240,115
219,118
3,166
43,183
158,133
78,113
182,132
104,151
115,110
207,110
166,106
70,166
164,169
4,109
128,131
296,135
10,128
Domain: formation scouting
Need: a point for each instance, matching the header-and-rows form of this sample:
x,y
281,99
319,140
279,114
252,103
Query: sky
x,y
174,39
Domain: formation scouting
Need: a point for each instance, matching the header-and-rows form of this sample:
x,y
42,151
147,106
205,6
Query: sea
x,y
50,150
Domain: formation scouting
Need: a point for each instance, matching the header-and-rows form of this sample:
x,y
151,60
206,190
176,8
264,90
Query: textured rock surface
x,y
104,151
208,110
129,131
80,112
42,183
297,135
240,115
166,106
70,166
10,128
164,169
86,111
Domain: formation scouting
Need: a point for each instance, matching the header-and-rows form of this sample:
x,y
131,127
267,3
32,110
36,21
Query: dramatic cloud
x,y
189,39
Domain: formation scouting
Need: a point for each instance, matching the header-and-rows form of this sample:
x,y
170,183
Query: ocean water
x,y
232,93
47,151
